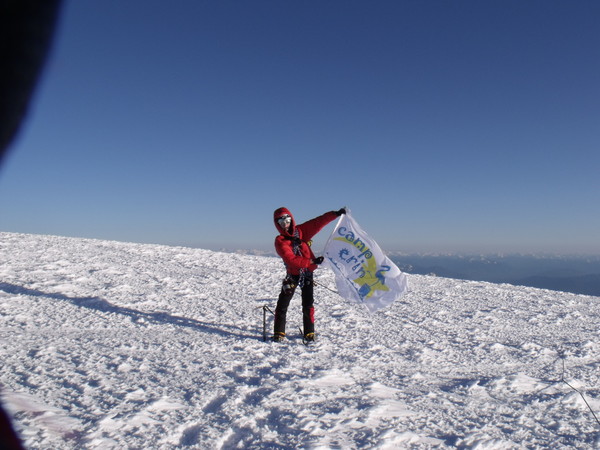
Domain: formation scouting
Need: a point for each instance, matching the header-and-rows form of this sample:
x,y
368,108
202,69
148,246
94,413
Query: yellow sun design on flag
x,y
372,281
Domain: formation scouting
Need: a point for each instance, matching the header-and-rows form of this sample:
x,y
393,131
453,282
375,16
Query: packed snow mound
x,y
116,345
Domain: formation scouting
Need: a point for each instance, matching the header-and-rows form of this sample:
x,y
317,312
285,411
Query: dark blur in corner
x,y
26,32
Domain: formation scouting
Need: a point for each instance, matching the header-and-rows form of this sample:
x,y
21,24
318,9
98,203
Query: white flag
x,y
363,274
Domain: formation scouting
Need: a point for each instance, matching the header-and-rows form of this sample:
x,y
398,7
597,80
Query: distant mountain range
x,y
576,274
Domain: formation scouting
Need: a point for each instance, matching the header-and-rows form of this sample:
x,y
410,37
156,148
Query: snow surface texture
x,y
116,345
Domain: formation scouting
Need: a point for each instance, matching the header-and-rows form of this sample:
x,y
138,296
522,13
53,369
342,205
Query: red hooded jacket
x,y
284,244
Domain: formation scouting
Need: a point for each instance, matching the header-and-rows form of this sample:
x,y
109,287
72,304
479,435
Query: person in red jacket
x,y
293,246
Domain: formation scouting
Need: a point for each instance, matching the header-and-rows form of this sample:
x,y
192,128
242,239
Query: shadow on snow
x,y
159,318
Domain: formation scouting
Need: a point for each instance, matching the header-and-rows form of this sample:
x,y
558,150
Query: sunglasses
x,y
284,220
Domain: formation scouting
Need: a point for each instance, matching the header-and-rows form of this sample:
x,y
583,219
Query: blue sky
x,y
445,126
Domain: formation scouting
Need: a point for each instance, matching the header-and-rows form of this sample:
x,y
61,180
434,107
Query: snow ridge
x,y
117,345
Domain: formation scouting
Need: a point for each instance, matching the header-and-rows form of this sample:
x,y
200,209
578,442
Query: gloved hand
x,y
318,260
339,212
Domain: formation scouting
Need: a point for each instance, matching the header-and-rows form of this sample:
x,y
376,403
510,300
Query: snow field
x,y
117,345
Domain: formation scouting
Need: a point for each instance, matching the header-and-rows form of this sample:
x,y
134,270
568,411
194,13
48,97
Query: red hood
x,y
277,214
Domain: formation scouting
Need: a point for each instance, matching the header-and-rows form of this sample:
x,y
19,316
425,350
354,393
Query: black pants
x,y
308,310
